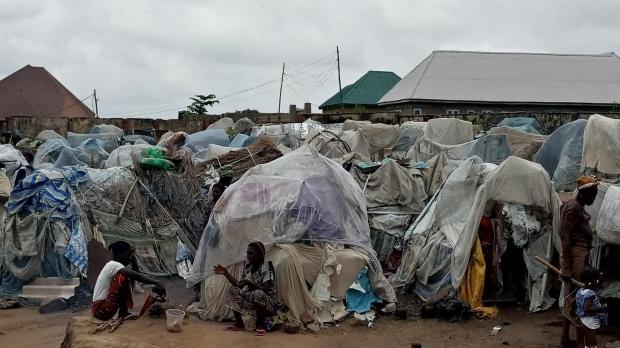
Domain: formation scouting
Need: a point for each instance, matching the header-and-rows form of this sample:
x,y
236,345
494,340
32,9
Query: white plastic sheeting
x,y
601,141
48,134
522,144
379,136
300,196
440,241
212,151
410,132
449,131
490,148
223,123
560,155
392,189
200,140
122,156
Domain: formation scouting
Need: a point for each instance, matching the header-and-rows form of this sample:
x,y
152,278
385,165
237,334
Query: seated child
x,y
113,289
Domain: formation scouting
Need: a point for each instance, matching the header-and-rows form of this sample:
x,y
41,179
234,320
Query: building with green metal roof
x,y
364,94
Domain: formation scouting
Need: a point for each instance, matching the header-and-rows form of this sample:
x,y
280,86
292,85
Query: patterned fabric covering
x,y
582,296
51,193
241,299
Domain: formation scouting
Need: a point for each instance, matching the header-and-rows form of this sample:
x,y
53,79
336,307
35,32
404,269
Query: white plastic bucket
x,y
174,319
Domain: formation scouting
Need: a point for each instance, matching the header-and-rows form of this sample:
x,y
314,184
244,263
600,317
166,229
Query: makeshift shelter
x,y
601,141
394,194
109,140
378,136
108,129
490,148
44,232
442,246
410,132
302,196
525,124
200,140
449,131
48,134
561,155
522,144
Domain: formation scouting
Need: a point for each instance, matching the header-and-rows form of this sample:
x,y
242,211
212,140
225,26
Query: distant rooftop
x,y
33,91
511,77
365,91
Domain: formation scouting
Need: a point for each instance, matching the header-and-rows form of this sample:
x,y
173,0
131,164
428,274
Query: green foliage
x,y
200,103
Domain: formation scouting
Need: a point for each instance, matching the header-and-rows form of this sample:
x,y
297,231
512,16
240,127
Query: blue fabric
x,y
361,301
584,294
43,192
239,140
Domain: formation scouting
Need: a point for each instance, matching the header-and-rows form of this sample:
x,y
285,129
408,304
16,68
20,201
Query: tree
x,y
200,103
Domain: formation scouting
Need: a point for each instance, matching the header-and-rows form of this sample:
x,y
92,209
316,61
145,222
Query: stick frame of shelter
x,y
120,213
183,237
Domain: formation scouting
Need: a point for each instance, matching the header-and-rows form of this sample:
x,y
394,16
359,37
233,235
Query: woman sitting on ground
x,y
255,294
113,289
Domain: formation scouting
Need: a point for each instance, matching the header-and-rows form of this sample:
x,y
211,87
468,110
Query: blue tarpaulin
x,y
360,296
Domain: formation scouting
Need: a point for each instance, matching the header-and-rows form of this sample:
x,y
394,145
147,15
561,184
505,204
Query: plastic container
x,y
174,319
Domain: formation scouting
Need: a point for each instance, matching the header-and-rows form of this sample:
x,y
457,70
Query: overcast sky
x,y
146,58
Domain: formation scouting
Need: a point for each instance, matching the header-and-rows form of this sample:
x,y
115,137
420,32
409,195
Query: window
x,y
487,112
452,112
417,111
471,111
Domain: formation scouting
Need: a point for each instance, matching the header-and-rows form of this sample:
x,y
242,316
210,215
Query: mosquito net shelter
x,y
444,238
449,131
601,141
560,155
302,196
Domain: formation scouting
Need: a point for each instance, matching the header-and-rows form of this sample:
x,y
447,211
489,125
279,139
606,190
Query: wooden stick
x,y
558,272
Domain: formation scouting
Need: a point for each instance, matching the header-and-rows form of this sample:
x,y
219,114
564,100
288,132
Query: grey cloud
x,y
153,55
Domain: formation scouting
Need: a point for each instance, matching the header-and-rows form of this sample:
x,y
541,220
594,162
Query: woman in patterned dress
x,y
255,294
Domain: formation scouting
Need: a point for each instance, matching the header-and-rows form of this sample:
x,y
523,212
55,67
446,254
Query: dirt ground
x,y
25,327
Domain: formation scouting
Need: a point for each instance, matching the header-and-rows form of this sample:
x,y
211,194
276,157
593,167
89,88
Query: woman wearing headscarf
x,y
255,294
576,236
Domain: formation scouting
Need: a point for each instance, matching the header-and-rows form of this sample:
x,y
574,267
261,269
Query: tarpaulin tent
x,y
200,140
440,242
123,155
410,132
110,140
490,148
108,129
522,144
44,233
601,141
379,136
449,131
525,124
561,153
300,196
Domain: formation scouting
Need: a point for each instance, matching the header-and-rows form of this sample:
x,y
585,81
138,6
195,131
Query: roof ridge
x,y
604,54
419,81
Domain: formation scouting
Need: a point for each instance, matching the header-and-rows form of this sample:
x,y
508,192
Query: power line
x,y
68,106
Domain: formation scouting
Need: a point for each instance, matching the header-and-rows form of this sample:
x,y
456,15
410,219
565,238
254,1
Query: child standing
x,y
591,312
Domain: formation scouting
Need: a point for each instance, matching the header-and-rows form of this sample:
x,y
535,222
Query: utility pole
x,y
281,82
96,107
339,83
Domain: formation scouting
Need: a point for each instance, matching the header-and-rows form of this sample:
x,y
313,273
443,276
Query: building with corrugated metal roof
x,y
363,94
33,91
460,82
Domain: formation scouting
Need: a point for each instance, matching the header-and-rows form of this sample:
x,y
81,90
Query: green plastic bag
x,y
154,153
157,163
